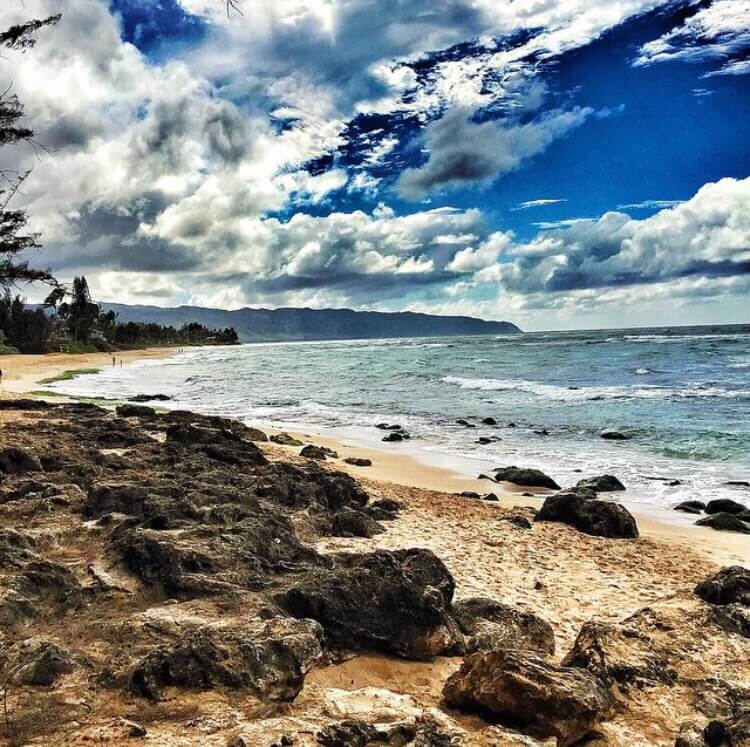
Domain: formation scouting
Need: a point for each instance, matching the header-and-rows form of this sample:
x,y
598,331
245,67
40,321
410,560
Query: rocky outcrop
x,y
724,522
397,602
526,477
729,586
490,626
595,517
725,506
601,484
352,523
35,662
135,411
319,453
622,653
691,507
268,658
15,461
522,690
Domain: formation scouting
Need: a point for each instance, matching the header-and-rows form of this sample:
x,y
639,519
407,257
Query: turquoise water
x,y
683,396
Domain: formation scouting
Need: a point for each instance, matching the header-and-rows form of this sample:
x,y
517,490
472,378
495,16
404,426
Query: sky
x,y
568,164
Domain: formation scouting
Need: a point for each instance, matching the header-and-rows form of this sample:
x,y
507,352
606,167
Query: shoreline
x,y
397,464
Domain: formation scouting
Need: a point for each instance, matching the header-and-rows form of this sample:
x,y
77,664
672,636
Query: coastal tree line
x,y
68,319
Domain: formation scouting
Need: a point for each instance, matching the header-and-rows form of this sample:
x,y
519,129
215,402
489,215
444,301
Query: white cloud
x,y
715,32
544,202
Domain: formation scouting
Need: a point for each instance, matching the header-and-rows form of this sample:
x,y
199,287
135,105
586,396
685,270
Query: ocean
x,y
681,394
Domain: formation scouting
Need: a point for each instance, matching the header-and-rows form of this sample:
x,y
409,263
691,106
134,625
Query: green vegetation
x,y
70,322
70,374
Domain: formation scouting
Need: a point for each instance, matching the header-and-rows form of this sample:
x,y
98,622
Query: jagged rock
x,y
526,692
724,522
351,523
268,658
621,653
319,453
392,601
133,729
728,705
358,733
42,587
526,477
725,506
601,484
223,445
299,488
36,662
595,517
16,548
490,625
15,461
729,586
135,411
358,462
691,507
734,618
210,560
385,509
691,735
123,498
284,439
614,436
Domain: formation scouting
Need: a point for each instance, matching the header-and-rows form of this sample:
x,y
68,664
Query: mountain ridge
x,y
292,324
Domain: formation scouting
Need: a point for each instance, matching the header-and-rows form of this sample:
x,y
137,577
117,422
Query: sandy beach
x,y
548,570
393,464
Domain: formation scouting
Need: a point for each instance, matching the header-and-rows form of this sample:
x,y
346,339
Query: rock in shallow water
x,y
725,506
724,522
526,692
397,602
601,484
691,507
614,436
526,477
591,516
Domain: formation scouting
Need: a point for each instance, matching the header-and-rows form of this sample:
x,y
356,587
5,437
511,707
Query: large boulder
x,y
526,692
36,662
725,506
729,586
490,625
214,559
135,411
268,658
601,484
691,507
595,517
42,588
397,602
622,653
526,477
15,461
724,522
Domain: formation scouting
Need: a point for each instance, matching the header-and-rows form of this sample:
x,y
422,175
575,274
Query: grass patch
x,y
70,374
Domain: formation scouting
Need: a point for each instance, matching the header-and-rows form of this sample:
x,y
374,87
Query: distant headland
x,y
291,324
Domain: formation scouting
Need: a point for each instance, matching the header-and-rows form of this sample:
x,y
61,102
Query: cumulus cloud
x,y
706,236
463,152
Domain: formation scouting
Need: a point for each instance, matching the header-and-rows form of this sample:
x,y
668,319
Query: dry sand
x,y
22,373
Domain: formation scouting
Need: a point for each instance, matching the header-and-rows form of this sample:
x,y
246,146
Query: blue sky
x,y
568,164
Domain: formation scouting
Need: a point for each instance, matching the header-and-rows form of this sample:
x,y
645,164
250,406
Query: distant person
x,y
1,375
113,360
